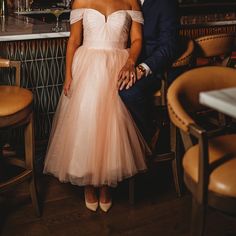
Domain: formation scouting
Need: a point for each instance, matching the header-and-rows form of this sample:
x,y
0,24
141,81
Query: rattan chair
x,y
209,164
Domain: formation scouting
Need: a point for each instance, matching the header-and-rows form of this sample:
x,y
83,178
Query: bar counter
x,y
19,27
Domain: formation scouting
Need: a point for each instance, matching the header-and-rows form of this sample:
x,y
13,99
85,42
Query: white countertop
x,y
13,28
223,100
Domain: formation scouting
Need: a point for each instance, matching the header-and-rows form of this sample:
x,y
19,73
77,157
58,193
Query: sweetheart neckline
x,y
105,16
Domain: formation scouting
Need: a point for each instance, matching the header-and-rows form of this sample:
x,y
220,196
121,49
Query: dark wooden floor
x,y
157,211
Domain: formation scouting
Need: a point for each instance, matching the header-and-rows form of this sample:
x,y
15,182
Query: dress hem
x,y
96,185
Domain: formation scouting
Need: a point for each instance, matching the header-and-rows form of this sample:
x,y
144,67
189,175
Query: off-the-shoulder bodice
x,y
102,31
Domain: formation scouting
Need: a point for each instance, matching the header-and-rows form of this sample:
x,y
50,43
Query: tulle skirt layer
x,y
94,140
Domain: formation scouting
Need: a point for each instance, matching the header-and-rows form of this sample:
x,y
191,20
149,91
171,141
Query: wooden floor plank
x,y
157,212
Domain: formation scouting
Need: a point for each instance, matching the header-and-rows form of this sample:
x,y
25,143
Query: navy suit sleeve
x,y
167,25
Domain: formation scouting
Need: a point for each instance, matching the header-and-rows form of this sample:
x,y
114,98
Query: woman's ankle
x,y
105,195
90,194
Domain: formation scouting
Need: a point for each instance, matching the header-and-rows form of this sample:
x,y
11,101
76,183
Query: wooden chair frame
x,y
22,118
15,64
185,114
202,197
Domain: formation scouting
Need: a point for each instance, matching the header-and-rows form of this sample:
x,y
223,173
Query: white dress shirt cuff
x,y
147,69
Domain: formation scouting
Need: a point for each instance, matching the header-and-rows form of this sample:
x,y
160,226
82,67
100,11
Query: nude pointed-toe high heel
x,y
91,206
105,206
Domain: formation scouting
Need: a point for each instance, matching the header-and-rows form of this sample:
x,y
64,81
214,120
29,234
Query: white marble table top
x,y
223,100
14,28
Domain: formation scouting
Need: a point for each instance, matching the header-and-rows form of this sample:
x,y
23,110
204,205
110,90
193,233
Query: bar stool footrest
x,y
16,180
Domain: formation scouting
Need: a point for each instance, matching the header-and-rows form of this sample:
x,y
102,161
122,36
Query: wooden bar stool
x,y
184,61
16,109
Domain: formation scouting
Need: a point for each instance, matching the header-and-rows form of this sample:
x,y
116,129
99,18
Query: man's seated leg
x,y
139,101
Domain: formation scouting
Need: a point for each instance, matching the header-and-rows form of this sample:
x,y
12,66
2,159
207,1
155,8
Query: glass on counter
x,y
57,12
23,5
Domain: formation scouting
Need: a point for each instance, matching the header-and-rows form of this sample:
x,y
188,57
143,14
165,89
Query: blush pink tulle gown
x,y
94,140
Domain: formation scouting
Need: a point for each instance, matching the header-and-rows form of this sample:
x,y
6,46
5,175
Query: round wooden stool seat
x,y
13,99
15,104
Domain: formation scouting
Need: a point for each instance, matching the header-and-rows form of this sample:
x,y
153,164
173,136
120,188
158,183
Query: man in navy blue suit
x,y
160,33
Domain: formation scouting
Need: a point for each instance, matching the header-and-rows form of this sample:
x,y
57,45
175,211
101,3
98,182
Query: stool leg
x,y
131,190
198,218
29,158
1,145
176,160
164,90
34,196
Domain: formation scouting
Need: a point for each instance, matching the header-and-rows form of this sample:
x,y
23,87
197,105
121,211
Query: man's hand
x,y
139,73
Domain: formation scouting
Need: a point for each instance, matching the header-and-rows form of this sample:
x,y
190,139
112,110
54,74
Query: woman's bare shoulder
x,y
80,4
135,5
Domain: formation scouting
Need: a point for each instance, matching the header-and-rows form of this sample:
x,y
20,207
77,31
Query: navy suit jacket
x,y
160,34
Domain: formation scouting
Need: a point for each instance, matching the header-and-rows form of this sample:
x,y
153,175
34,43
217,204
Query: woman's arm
x,y
127,76
74,41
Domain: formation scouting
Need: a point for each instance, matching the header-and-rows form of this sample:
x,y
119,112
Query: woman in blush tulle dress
x,y
94,141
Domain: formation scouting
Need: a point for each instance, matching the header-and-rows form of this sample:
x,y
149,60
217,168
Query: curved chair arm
x,y
178,116
183,94
186,57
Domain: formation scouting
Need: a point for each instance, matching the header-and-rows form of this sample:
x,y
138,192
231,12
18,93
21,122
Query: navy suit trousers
x,y
139,101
